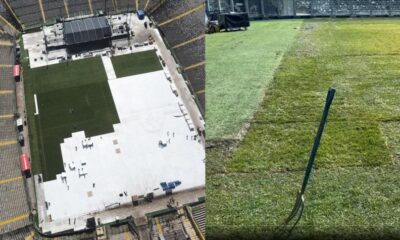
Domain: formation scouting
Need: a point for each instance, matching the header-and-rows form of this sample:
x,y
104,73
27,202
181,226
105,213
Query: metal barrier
x,y
307,8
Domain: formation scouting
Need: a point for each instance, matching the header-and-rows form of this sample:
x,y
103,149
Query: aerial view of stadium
x,y
102,131
266,88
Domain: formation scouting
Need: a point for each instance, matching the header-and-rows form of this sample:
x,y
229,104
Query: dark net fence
x,y
302,8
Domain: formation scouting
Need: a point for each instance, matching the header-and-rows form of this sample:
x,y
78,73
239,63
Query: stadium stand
x,y
302,8
5,73
7,22
378,8
361,7
192,57
190,54
197,76
172,8
172,226
15,213
14,207
7,129
27,11
22,233
6,103
341,8
106,6
182,24
7,55
54,9
152,5
31,15
199,216
271,8
175,33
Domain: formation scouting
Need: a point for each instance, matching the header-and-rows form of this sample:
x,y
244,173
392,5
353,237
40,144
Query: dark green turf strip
x,y
136,63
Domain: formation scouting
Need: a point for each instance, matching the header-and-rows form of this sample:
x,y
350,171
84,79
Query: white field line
x,y
36,105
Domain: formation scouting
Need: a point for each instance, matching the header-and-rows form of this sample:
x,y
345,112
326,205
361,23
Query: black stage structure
x,y
87,34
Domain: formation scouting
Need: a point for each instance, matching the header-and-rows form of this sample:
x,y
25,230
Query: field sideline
x,y
354,188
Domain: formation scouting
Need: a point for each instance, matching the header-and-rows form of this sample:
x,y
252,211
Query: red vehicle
x,y
25,164
17,72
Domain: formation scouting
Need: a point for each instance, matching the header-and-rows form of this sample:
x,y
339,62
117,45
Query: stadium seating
x,y
272,7
303,7
199,215
184,29
173,8
380,7
108,6
151,5
54,9
7,55
361,7
21,233
197,76
14,204
341,7
6,74
190,55
290,8
181,30
321,7
13,198
27,11
7,103
7,129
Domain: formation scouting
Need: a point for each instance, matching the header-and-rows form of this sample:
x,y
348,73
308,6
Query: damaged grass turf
x,y
354,189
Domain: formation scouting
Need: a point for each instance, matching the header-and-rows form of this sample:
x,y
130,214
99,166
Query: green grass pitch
x,y
237,77
354,188
72,97
137,63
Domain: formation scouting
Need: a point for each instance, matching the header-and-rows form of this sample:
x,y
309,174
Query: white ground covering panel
x,y
108,67
128,161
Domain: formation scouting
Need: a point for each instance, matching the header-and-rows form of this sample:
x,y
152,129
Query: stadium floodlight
x,y
299,203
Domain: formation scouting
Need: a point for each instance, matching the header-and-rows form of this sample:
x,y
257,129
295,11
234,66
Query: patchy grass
x,y
354,188
240,65
218,154
297,95
391,133
72,97
275,147
343,201
136,63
